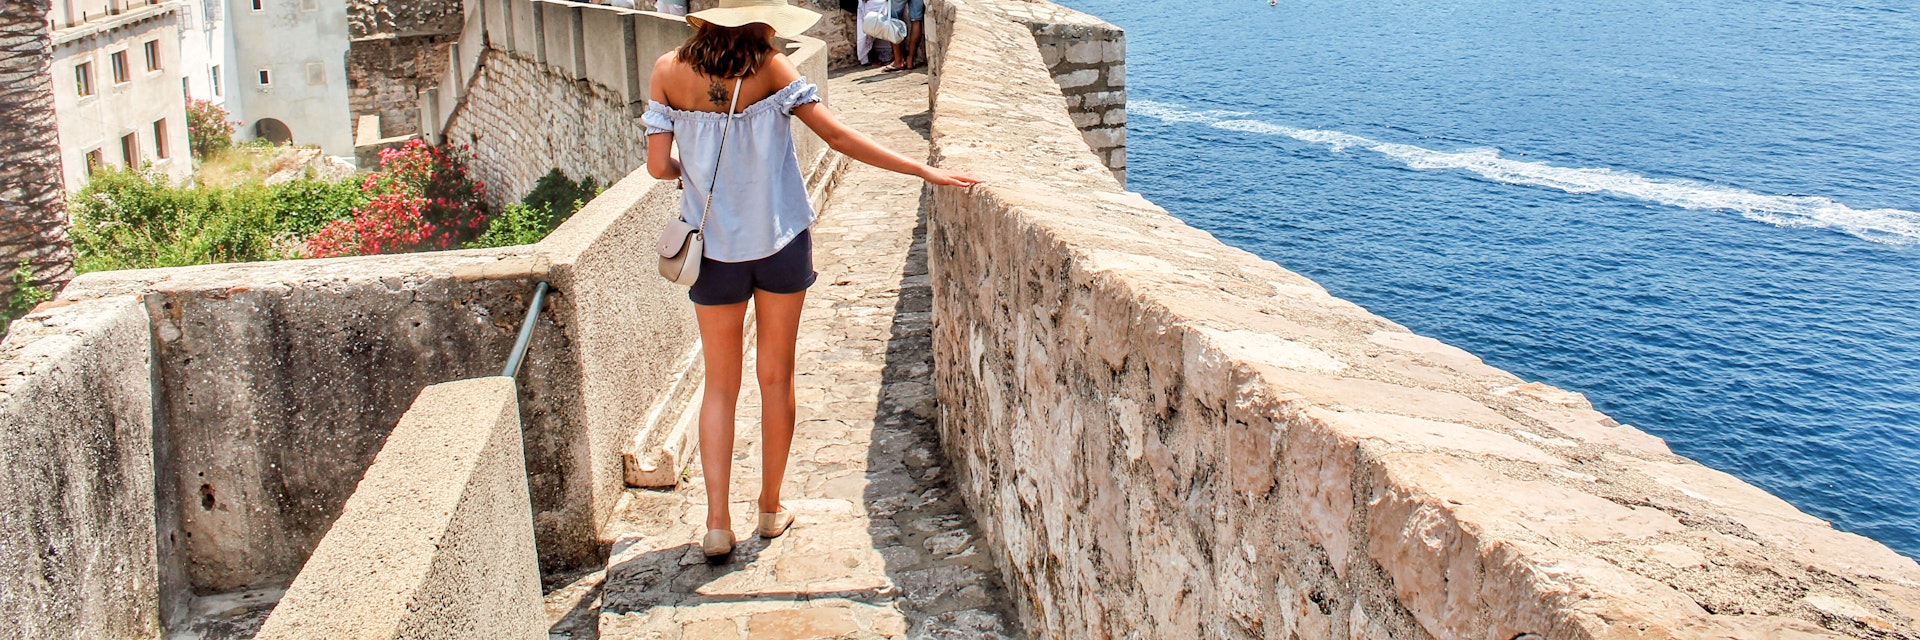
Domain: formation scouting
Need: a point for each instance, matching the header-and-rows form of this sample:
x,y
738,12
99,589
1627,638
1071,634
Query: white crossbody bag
x,y
682,244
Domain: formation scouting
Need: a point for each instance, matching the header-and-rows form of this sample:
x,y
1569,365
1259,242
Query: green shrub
x,y
560,195
137,220
306,205
24,297
516,225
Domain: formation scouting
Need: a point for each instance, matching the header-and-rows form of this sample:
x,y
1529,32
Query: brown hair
x,y
727,52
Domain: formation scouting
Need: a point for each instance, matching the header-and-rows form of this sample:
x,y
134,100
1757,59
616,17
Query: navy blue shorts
x,y
789,270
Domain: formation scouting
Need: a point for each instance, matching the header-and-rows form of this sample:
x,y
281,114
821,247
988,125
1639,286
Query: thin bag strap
x,y
717,155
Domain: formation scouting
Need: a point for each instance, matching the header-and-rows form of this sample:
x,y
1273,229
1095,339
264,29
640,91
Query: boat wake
x,y
1885,226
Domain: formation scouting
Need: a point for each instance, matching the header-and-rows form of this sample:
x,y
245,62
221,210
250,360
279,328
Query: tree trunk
x,y
33,206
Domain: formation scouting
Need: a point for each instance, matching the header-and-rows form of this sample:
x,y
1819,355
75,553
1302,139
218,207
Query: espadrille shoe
x,y
717,545
774,524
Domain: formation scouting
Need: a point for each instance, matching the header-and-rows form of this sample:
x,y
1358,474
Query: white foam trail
x,y
1886,226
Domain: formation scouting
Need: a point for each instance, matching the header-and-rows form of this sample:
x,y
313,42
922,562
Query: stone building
x,y
206,72
398,49
117,89
290,83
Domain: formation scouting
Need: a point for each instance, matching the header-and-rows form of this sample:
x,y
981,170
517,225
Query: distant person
x,y
908,53
671,7
872,49
744,189
621,4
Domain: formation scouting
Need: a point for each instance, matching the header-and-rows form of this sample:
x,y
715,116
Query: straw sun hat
x,y
787,20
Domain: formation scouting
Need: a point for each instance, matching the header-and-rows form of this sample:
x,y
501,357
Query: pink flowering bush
x,y
421,199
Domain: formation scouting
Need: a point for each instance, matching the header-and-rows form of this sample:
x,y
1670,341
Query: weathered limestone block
x,y
437,541
1167,437
628,326
376,18
76,474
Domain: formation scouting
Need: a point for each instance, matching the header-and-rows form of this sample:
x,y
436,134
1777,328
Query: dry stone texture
x,y
385,77
522,119
371,19
883,548
76,474
1167,437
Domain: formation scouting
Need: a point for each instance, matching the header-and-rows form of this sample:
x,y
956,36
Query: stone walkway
x,y
882,546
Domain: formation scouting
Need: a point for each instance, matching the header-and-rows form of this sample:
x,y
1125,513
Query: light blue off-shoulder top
x,y
762,201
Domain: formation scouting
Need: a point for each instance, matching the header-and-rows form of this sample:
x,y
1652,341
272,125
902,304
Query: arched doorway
x,y
273,131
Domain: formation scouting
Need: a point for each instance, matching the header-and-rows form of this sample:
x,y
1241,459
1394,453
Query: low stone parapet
x,y
76,474
1166,437
437,541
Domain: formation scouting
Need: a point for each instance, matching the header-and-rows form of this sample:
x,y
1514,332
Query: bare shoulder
x,y
781,70
667,62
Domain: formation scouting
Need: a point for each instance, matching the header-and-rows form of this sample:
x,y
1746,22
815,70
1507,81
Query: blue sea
x,y
1700,214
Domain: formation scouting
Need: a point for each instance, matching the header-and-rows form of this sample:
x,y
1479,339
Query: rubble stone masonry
x,y
398,49
523,119
386,75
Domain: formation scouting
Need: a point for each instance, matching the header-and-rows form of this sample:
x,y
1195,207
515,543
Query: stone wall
x,y
437,542
274,385
278,382
1087,57
402,18
1163,436
398,49
76,475
522,120
385,77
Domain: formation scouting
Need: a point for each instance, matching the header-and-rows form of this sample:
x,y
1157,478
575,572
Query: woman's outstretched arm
x,y
856,145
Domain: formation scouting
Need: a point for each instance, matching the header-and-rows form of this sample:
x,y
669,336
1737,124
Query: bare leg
x,y
778,323
722,330
914,40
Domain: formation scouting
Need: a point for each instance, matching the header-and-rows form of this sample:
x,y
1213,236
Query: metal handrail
x,y
519,352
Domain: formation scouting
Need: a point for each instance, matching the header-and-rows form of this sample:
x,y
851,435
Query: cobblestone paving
x,y
882,547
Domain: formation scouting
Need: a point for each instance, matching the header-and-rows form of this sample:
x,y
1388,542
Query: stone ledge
x,y
437,541
1166,436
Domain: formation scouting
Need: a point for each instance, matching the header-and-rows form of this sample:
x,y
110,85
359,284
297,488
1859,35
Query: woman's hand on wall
x,y
947,178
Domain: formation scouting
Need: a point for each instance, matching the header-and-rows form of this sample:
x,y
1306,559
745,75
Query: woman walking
x,y
726,98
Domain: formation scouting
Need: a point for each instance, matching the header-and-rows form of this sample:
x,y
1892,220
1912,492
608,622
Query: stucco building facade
x,y
289,59
117,90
